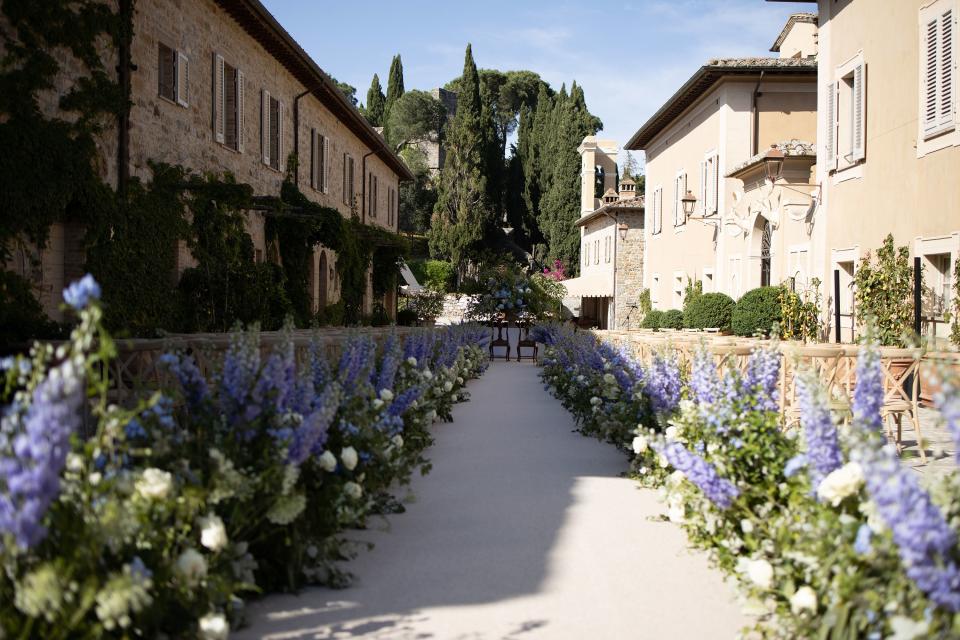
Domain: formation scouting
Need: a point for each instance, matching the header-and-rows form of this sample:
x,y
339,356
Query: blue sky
x,y
629,56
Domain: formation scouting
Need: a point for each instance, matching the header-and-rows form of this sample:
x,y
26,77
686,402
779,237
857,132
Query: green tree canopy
x,y
349,91
376,102
394,86
416,115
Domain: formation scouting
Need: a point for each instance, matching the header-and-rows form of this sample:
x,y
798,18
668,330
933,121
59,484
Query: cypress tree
x,y
375,103
394,86
460,215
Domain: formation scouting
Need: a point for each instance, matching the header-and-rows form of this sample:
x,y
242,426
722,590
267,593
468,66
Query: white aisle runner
x,y
523,529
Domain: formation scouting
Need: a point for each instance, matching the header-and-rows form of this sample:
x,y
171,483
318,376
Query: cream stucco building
x,y
709,139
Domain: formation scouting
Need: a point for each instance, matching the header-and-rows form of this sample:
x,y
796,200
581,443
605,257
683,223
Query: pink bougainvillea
x,y
557,273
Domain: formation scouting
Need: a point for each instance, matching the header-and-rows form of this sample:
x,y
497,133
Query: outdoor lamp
x,y
622,230
689,202
774,163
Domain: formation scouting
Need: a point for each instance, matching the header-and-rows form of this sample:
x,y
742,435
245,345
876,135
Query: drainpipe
x,y
363,187
756,118
124,67
296,131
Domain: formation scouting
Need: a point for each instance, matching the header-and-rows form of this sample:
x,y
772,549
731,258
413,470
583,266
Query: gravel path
x,y
522,530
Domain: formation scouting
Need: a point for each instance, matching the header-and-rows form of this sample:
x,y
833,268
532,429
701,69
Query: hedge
x,y
710,310
757,311
653,319
672,319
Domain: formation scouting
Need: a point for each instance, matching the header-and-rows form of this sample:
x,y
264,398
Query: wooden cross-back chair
x,y
500,336
524,341
901,394
828,367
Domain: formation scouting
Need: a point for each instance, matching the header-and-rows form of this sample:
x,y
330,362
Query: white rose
x,y
191,566
760,573
353,490
386,395
805,599
214,626
671,432
397,441
676,511
412,361
746,526
447,386
595,401
328,461
74,463
663,462
841,483
428,374
459,380
349,458
639,445
378,404
609,379
154,484
213,535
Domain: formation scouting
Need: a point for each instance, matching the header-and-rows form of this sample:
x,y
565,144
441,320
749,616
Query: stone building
x,y
607,291
220,86
432,148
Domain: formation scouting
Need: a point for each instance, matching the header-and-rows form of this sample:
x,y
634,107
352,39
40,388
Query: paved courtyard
x,y
524,529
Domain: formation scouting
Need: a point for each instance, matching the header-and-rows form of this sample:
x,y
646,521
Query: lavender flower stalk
x,y
720,491
663,383
823,442
704,381
868,394
948,403
761,378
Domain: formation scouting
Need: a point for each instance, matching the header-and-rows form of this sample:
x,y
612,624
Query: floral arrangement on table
x,y
159,518
510,292
827,533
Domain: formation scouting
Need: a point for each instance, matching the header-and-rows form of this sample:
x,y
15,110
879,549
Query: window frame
x,y
943,123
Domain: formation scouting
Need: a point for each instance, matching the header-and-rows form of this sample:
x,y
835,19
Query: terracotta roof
x,y
627,204
792,20
791,149
257,21
707,76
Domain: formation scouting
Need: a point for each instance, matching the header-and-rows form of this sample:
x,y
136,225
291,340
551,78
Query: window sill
x,y
173,102
680,228
224,145
852,171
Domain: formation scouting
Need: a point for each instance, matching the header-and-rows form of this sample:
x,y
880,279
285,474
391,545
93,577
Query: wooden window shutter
x,y
218,97
930,73
715,184
947,93
183,79
704,191
279,162
344,185
325,172
859,112
830,144
313,158
240,98
265,126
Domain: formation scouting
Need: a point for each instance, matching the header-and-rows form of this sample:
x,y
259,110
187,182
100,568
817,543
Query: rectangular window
x,y
372,197
167,72
677,290
606,249
657,210
846,116
318,161
655,289
596,252
348,180
679,190
938,55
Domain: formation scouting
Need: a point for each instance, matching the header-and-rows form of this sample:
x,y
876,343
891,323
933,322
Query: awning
x,y
591,285
412,287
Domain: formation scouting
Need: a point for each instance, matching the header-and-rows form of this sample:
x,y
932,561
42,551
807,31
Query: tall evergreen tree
x,y
375,103
394,86
461,215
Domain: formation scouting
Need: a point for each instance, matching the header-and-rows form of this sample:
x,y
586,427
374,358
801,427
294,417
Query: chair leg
x,y
916,427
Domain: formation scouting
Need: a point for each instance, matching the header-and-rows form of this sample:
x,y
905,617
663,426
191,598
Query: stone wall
x,y
629,280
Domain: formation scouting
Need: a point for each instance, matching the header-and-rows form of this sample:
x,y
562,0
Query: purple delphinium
x,y
30,472
403,401
823,442
662,383
241,364
311,434
388,364
948,403
868,393
319,366
80,293
192,382
720,491
704,381
356,362
761,378
924,539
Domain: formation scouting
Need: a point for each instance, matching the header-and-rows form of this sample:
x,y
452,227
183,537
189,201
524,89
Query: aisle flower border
x,y
211,489
827,533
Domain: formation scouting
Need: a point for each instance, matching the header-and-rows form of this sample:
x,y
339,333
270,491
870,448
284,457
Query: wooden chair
x,y
901,394
524,341
499,325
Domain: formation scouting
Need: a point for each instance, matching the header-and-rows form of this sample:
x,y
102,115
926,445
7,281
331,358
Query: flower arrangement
x,y
158,519
826,532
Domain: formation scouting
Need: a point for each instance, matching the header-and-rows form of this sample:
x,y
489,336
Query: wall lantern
x,y
622,230
773,160
689,202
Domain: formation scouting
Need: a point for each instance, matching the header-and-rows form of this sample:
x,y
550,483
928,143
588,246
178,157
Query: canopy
x,y
412,287
591,285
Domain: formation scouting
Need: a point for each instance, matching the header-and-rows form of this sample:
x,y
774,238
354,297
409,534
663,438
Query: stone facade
x,y
629,273
185,131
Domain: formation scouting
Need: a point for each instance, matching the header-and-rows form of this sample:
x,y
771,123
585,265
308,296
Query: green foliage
x,y
416,115
348,90
672,319
423,307
375,103
955,327
435,274
21,318
884,292
406,317
394,88
692,292
461,214
418,196
757,312
644,301
709,311
653,319
800,312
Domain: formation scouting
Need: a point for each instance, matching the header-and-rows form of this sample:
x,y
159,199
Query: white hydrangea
x,y
447,386
214,626
328,461
746,526
349,457
397,441
412,361
287,509
671,432
760,573
154,484
386,395
191,566
640,445
804,599
213,535
841,483
353,490
609,379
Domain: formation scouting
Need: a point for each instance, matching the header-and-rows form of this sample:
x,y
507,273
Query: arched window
x,y
765,242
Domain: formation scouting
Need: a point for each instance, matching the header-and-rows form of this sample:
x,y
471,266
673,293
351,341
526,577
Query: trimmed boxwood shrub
x,y
756,311
672,319
653,319
709,311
